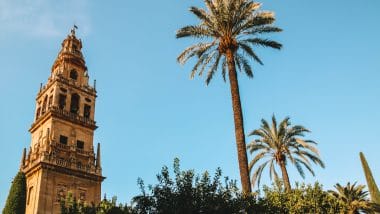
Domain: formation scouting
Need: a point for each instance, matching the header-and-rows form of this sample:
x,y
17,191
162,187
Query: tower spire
x,y
71,52
98,160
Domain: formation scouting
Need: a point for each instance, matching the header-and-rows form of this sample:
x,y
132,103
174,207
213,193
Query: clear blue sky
x,y
149,111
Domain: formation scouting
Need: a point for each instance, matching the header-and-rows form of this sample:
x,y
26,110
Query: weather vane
x,y
73,29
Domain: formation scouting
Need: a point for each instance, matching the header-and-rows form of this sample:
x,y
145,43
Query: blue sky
x,y
149,111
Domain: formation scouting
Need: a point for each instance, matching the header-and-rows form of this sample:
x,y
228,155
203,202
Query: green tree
x,y
278,144
72,206
231,29
110,207
301,199
353,198
190,193
372,187
16,200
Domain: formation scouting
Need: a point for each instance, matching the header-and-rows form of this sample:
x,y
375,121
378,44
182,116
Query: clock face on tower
x,y
61,158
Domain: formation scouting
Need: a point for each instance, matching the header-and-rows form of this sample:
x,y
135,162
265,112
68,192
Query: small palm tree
x,y
230,28
278,144
353,198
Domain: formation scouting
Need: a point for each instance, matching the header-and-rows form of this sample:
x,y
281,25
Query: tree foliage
x,y
16,200
72,206
184,192
354,199
301,199
235,26
191,193
278,144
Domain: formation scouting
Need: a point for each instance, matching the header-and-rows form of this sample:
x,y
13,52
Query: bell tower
x,y
61,157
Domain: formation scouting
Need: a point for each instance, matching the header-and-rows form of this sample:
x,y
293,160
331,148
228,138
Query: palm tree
x,y
230,29
353,198
278,144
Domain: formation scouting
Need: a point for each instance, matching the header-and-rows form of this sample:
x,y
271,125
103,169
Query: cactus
x,y
372,187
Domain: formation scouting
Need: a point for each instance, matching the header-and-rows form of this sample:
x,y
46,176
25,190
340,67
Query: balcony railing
x,y
62,146
65,147
75,118
72,116
82,151
62,162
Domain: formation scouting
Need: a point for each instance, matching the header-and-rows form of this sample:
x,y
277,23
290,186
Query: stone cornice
x,y
64,170
88,90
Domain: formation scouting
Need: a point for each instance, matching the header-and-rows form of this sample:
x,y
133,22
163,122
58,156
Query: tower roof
x,y
70,51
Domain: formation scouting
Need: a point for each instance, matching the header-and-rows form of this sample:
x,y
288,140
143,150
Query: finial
x,y
73,30
22,163
97,164
40,86
94,84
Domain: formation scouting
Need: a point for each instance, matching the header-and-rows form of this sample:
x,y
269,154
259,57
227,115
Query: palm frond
x,y
196,66
197,49
258,19
224,68
307,146
257,158
306,165
201,14
258,172
209,58
313,158
197,31
264,43
245,11
246,67
272,171
263,29
299,169
250,52
213,68
254,146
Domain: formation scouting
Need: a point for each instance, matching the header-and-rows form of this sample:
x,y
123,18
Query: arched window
x,y
44,105
80,144
74,74
74,106
62,101
87,111
38,112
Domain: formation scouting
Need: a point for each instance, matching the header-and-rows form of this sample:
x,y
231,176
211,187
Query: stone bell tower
x,y
61,158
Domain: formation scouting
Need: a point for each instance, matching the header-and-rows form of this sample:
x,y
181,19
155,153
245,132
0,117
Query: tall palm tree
x,y
279,144
229,29
354,199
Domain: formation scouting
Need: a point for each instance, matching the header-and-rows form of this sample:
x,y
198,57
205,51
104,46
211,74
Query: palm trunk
x,y
285,176
239,126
